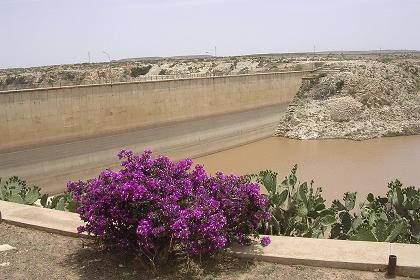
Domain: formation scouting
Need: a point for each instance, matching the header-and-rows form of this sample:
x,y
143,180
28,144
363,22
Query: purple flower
x,y
265,241
143,229
153,202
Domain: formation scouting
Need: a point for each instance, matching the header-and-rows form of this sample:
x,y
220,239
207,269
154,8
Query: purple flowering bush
x,y
157,206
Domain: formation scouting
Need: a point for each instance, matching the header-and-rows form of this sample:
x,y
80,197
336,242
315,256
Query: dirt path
x,y
42,255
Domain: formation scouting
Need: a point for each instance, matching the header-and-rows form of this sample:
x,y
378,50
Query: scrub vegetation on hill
x,y
143,68
136,69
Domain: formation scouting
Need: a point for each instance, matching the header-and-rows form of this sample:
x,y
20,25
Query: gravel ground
x,y
42,255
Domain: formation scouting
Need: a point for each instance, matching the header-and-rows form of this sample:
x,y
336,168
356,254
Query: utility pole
x,y
215,51
313,60
110,69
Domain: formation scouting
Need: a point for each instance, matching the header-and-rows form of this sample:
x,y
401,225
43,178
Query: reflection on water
x,y
336,165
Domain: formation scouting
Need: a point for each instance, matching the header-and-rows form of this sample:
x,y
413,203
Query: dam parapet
x,y
43,116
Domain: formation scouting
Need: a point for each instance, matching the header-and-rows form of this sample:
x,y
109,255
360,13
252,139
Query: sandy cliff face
x,y
363,100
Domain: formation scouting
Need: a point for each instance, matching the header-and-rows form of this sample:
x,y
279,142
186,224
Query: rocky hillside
x,y
360,100
139,69
157,68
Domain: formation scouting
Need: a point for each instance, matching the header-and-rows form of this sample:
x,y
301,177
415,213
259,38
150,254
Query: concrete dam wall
x,y
55,115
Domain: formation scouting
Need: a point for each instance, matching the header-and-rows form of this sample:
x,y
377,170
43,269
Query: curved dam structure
x,y
53,135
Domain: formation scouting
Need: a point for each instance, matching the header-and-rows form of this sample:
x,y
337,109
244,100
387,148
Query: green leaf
x,y
282,197
14,187
302,211
32,195
16,198
392,197
303,191
44,200
372,219
61,204
370,197
290,180
416,204
357,221
55,200
410,191
285,182
396,230
335,231
345,221
381,231
318,233
328,220
400,196
269,180
265,227
365,212
253,178
72,206
364,234
383,216
349,200
276,225
337,205
326,212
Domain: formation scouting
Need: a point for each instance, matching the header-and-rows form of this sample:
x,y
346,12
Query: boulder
x,y
344,109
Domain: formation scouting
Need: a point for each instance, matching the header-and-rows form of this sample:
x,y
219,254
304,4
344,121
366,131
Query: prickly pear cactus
x,y
16,190
393,218
297,209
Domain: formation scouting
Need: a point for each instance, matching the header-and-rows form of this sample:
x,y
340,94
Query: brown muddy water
x,y
337,166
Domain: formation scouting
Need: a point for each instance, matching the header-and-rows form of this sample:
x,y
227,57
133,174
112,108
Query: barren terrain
x,y
177,67
149,69
359,99
42,255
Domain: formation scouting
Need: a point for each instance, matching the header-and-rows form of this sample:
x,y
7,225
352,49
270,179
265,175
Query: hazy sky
x,y
40,32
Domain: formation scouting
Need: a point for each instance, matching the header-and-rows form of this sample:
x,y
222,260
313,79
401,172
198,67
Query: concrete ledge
x,y
357,255
40,218
408,262
320,252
